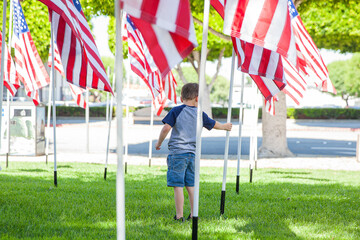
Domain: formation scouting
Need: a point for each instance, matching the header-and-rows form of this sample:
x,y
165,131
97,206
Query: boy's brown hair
x,y
190,91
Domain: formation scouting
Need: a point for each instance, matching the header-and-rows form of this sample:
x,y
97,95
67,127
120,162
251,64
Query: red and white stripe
x,y
309,57
10,79
78,96
29,67
265,23
270,105
57,60
143,65
167,28
76,91
79,54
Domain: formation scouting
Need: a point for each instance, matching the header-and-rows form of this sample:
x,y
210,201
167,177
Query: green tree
x,y
333,24
37,18
345,76
220,91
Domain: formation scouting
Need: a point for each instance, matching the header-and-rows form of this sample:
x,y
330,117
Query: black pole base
x,y
195,228
7,160
149,162
125,167
46,159
255,165
251,174
105,173
237,184
55,178
222,204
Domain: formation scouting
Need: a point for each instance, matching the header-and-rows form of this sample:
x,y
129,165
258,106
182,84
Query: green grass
x,y
279,204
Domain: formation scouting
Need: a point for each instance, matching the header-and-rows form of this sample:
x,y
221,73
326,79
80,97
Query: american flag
x,y
265,23
79,55
262,64
11,81
30,69
264,67
143,65
76,91
309,58
78,96
167,28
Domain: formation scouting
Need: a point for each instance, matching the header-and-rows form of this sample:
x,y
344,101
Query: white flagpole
x,y
53,98
255,127
107,99
199,119
87,110
8,128
48,120
2,60
108,138
227,140
240,132
252,134
126,142
151,130
120,180
8,92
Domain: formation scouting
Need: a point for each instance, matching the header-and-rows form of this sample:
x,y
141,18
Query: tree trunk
x,y
274,143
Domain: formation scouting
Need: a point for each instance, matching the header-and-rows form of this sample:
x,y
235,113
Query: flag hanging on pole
x,y
76,91
264,23
267,52
167,28
309,57
143,65
57,60
79,55
29,67
78,96
11,81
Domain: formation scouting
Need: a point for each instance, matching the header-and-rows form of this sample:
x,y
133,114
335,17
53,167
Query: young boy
x,y
182,144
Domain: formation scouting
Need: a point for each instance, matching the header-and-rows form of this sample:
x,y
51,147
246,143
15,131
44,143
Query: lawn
x,y
279,204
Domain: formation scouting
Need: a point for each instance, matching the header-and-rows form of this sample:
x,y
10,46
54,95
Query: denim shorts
x,y
181,168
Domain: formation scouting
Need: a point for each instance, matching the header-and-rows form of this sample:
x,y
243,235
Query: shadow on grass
x,y
291,173
33,170
83,206
64,166
305,178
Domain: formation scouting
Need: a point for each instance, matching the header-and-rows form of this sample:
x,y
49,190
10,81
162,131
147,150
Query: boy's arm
x,y
225,126
164,132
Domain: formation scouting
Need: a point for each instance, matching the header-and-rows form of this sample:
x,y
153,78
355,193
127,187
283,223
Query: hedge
x,y
293,113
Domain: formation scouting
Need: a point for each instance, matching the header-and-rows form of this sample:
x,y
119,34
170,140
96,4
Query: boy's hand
x,y
228,126
157,146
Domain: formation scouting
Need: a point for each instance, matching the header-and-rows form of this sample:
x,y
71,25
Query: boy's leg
x,y
179,201
190,191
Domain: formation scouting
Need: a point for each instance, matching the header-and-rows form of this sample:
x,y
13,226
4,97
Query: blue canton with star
x,y
20,25
130,22
77,5
293,12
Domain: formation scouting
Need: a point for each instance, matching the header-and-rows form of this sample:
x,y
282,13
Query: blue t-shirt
x,y
183,120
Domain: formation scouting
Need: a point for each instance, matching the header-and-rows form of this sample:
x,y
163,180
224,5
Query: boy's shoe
x,y
189,217
182,219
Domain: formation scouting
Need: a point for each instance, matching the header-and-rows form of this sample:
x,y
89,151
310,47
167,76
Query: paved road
x,y
305,138
298,146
